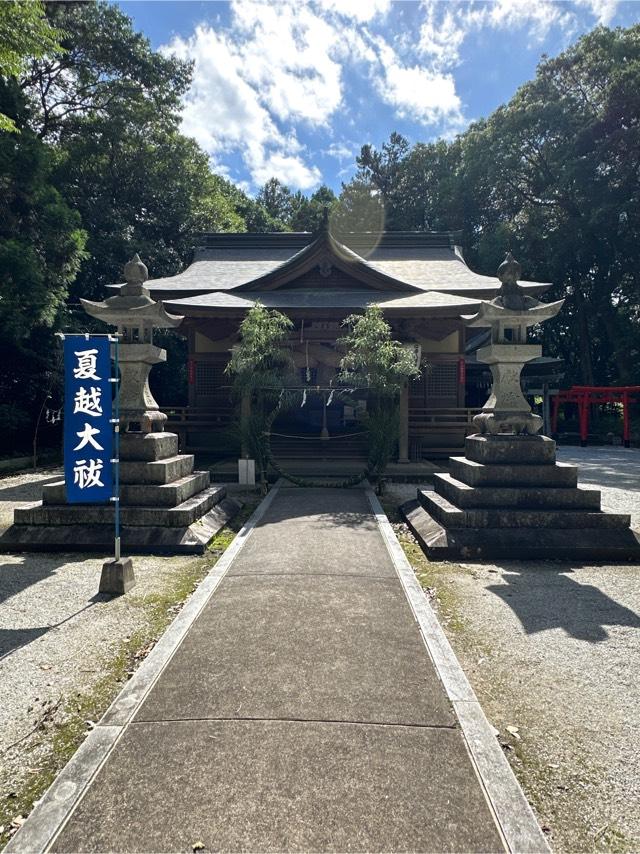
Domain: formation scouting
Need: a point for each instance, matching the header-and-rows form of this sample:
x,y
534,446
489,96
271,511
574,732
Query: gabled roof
x,y
325,248
399,261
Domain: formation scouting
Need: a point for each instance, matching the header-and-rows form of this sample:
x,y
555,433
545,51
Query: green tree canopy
x,y
25,34
102,64
308,211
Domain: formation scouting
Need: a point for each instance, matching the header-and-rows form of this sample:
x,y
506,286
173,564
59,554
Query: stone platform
x,y
509,498
165,507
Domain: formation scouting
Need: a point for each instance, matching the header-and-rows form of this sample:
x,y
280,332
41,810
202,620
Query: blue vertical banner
x,y
88,432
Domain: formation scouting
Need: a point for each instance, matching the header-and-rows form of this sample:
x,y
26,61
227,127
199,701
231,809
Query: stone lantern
x,y
165,506
135,315
509,315
508,497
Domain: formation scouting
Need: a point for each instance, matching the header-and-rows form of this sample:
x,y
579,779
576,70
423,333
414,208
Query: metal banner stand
x,y
117,575
116,444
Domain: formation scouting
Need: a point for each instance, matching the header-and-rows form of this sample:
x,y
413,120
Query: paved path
x,y
300,711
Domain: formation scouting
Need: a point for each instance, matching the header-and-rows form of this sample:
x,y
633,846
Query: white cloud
x,y
538,15
290,170
446,26
360,11
342,150
441,36
272,65
286,51
602,10
420,93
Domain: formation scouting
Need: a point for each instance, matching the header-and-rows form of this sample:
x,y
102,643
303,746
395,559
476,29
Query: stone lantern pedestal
x,y
507,497
165,506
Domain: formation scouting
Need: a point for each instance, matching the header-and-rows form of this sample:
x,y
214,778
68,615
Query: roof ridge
x,y
300,239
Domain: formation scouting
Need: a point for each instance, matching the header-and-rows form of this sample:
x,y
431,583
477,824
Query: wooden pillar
x,y
583,415
403,443
245,414
626,422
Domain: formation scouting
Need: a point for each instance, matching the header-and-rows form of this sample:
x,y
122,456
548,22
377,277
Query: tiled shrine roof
x,y
403,270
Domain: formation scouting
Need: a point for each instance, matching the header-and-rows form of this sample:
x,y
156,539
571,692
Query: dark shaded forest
x,y
93,168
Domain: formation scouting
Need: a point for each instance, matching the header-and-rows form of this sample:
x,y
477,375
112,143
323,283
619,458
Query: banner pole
x,y
116,443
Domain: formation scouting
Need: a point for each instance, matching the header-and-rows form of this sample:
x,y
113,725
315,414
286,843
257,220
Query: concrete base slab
x,y
338,649
117,577
283,786
343,515
586,545
151,539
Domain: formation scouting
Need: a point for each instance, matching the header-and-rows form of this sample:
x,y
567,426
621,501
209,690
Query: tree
x,y
378,364
360,208
140,189
381,171
24,33
41,248
260,365
307,213
100,170
102,62
561,184
275,198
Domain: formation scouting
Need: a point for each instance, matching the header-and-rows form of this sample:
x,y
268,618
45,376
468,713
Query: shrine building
x,y
419,279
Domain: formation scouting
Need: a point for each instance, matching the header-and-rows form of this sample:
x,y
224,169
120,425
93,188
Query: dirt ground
x,y
554,650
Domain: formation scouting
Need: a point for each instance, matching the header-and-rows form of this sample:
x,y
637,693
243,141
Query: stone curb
x,y
57,804
512,812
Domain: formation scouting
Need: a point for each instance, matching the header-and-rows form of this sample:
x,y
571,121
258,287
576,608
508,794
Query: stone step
x,y
510,450
479,474
160,471
103,514
450,516
533,497
148,447
136,495
150,540
579,546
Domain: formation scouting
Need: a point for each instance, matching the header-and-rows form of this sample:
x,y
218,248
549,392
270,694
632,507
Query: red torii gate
x,y
586,395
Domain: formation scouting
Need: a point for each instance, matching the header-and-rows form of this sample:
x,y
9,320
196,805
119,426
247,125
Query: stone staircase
x,y
165,507
509,498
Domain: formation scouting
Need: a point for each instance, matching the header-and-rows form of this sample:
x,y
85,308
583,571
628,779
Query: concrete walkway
x,y
295,709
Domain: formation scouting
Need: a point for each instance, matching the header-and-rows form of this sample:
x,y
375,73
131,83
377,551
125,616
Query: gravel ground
x,y
59,637
553,650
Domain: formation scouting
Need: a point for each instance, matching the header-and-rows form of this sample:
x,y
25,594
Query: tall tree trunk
x,y
584,339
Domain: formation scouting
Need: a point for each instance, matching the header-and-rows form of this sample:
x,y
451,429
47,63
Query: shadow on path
x,y
549,599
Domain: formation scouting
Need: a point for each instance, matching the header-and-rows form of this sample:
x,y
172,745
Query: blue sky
x,y
292,89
